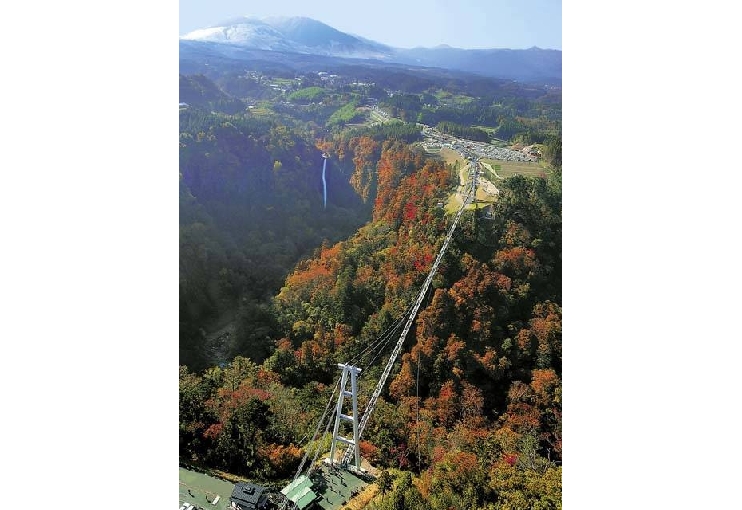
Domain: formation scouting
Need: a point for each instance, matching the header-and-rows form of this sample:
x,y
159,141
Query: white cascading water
x,y
324,182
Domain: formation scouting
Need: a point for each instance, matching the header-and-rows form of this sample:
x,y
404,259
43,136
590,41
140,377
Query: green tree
x,y
194,416
384,482
240,438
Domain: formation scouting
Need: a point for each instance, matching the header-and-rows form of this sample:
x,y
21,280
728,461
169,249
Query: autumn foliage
x,y
473,407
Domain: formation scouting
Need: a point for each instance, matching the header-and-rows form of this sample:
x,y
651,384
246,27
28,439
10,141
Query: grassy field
x,y
453,204
510,168
376,118
444,96
490,130
504,170
451,156
372,117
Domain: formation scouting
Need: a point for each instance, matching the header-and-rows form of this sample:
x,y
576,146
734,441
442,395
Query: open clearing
x,y
509,168
374,117
485,191
451,156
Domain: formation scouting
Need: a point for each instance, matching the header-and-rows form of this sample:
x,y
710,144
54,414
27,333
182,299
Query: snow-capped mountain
x,y
305,36
293,34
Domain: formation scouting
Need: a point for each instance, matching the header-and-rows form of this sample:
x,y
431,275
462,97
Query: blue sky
x,y
406,23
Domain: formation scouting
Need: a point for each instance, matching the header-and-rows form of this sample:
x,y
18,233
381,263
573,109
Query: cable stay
x,y
372,353
349,452
316,431
377,347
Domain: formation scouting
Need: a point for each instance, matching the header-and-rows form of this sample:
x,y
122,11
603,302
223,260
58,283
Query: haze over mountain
x,y
311,37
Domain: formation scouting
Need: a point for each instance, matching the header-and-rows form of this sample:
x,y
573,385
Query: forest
x,y
472,416
250,207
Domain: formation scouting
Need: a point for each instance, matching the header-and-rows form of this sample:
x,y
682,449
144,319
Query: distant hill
x,y
199,90
300,35
523,65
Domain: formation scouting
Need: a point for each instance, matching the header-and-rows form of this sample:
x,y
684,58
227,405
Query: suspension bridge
x,y
346,387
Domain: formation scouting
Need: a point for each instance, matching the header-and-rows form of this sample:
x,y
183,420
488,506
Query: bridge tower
x,y
348,370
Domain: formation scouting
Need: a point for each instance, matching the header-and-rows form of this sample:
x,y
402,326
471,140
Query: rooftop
x,y
201,490
300,492
248,495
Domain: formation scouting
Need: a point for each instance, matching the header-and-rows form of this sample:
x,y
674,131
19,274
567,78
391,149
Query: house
x,y
247,496
300,493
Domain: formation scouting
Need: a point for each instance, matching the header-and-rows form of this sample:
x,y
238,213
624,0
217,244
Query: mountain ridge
x,y
303,35
297,34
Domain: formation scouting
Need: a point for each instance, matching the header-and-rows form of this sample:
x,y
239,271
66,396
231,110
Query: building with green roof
x,y
300,492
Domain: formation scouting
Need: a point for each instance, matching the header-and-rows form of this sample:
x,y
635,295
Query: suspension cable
x,y
398,347
379,345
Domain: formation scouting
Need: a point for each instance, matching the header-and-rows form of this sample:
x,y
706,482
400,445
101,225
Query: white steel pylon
x,y
353,394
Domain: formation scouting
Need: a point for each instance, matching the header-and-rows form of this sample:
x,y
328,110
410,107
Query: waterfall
x,y
324,182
